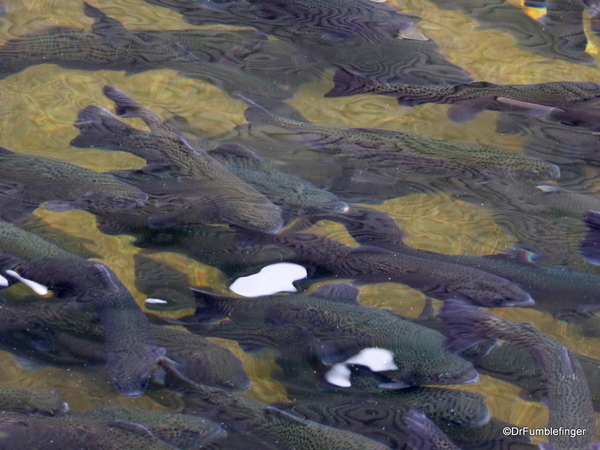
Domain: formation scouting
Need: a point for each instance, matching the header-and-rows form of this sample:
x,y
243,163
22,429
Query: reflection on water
x,y
252,108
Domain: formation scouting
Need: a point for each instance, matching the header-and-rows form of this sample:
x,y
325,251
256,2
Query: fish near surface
x,y
111,46
130,350
569,397
342,327
32,401
271,425
293,195
395,152
31,180
19,431
358,34
236,201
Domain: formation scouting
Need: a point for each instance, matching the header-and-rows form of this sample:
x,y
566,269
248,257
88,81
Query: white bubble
x,y
38,288
270,280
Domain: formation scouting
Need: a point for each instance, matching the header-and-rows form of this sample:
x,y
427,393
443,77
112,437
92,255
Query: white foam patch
x,y
38,288
270,280
156,301
376,359
339,375
3,281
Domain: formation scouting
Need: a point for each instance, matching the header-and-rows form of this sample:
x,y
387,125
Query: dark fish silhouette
x,y
64,333
271,425
564,101
111,46
30,180
341,328
222,195
131,352
293,195
358,35
563,41
568,393
392,154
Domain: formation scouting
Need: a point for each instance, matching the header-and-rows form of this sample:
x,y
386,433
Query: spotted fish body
x,y
271,425
397,151
31,401
33,179
232,199
129,342
568,393
342,329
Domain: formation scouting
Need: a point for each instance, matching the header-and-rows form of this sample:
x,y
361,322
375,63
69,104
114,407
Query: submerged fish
x,y
31,401
293,195
568,393
221,193
131,352
394,153
358,34
563,100
423,434
271,425
30,180
341,328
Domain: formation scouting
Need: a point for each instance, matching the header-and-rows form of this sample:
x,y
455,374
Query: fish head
x,y
490,291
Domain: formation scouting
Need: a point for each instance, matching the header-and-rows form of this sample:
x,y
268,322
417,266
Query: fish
x,y
531,35
160,281
342,327
563,101
27,181
63,332
130,351
354,30
182,431
35,432
32,401
393,153
423,434
271,425
293,195
564,20
111,46
569,397
220,192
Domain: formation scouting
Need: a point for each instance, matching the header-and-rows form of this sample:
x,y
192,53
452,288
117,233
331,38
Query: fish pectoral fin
x,y
283,415
536,108
464,111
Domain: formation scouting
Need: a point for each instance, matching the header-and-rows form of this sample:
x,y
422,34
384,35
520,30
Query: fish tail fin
x,y
256,113
462,320
347,84
423,434
99,128
209,305
590,246
124,105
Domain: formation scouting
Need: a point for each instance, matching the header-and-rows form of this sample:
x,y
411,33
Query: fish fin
x,y
258,115
590,245
475,84
14,209
428,313
537,109
110,29
347,83
339,292
60,205
125,106
26,363
99,128
5,151
464,111
131,426
233,149
208,306
423,434
280,414
461,319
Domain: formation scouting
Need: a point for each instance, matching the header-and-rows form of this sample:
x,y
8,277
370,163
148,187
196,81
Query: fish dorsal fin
x,y
5,151
428,312
205,294
283,415
516,254
234,149
110,29
476,84
339,292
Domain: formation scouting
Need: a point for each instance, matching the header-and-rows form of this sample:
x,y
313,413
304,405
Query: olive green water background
x,y
39,105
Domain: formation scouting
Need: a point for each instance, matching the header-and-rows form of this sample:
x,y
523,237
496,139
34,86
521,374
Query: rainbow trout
x,y
396,153
569,397
32,401
221,194
30,180
341,328
271,425
130,347
562,100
